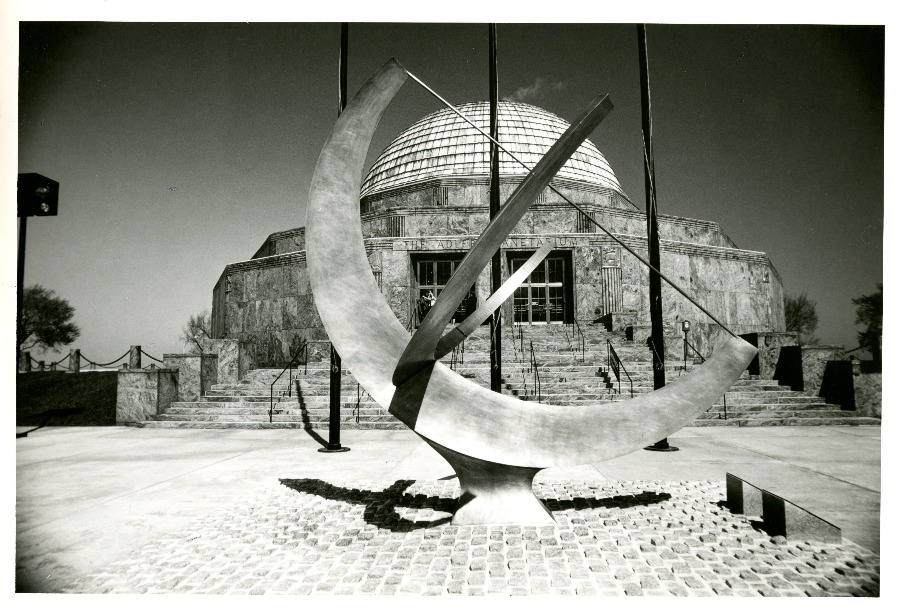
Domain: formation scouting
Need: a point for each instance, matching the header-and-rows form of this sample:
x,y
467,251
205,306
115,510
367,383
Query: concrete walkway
x,y
90,497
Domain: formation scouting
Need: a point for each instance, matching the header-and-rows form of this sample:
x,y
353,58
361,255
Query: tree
x,y
46,320
197,328
800,316
869,311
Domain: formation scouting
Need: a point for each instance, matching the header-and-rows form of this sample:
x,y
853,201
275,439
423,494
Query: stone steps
x,y
785,421
262,425
566,380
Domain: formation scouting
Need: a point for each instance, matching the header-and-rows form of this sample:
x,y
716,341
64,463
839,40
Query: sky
x,y
180,146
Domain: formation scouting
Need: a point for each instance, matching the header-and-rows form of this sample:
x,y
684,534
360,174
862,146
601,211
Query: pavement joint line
x,y
795,465
84,452
149,486
810,470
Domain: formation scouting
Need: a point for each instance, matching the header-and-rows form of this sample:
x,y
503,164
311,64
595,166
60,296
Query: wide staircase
x,y
554,364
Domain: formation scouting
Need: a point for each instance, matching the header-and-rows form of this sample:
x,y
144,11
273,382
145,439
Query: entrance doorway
x,y
433,273
545,296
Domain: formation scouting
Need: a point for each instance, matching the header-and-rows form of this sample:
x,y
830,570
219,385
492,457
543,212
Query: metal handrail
x,y
615,364
703,360
359,395
693,348
305,348
536,376
289,366
576,326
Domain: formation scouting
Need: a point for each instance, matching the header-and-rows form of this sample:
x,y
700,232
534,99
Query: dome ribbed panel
x,y
442,144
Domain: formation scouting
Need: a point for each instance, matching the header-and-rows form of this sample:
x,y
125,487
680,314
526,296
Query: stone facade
x,y
266,301
141,394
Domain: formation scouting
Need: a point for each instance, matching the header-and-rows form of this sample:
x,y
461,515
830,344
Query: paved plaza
x,y
127,510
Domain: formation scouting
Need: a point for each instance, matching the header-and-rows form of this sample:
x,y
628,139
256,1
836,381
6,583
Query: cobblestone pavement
x,y
308,536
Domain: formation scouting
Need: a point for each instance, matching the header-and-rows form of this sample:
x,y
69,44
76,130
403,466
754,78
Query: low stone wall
x,y
235,358
868,393
815,359
196,373
773,362
141,394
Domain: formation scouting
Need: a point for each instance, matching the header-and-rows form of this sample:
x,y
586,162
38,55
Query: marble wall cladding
x,y
547,220
427,225
209,372
141,394
196,373
815,358
270,281
867,390
588,302
400,300
289,242
470,195
296,280
769,346
234,358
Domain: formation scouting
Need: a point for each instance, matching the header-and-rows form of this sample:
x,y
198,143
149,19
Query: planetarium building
x,y
424,203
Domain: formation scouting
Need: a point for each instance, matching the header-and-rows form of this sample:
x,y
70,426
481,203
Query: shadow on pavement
x,y
380,506
48,415
304,416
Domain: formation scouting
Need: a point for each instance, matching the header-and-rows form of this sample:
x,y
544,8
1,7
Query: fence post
x,y
27,366
134,357
41,365
75,360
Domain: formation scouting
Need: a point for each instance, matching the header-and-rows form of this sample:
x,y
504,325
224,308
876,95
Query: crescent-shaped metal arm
x,y
421,349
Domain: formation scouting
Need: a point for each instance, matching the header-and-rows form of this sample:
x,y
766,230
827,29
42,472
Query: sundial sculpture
x,y
495,443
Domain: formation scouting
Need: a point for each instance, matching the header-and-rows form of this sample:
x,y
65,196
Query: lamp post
x,y
36,196
685,327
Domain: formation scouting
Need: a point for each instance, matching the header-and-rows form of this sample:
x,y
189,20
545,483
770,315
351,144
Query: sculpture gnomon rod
x,y
496,443
568,201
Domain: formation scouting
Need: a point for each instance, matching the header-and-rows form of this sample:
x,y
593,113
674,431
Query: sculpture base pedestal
x,y
334,448
662,447
493,493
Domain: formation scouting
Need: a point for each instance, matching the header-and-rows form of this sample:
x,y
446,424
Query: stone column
x,y
134,357
27,365
75,360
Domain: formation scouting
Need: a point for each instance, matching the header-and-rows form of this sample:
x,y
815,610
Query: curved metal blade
x,y
462,331
420,352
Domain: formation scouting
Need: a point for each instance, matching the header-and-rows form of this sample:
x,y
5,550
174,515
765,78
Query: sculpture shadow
x,y
380,506
304,417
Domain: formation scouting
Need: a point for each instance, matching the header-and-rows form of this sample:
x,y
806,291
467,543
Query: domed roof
x,y
443,145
